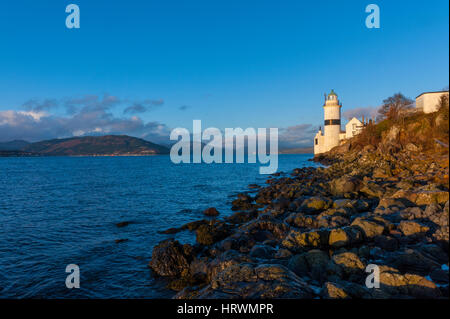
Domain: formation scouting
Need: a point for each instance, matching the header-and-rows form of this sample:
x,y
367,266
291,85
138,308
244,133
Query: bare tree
x,y
394,107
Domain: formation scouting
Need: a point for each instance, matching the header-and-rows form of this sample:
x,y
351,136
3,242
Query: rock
x,y
411,147
301,221
210,212
370,228
298,265
338,238
346,236
210,234
372,189
386,242
316,204
123,224
409,228
242,217
262,251
350,263
172,230
412,261
257,281
440,276
344,185
429,197
121,240
312,239
170,258
283,253
333,291
394,283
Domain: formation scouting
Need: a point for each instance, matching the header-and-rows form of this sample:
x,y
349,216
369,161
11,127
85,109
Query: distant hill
x,y
15,145
96,145
304,150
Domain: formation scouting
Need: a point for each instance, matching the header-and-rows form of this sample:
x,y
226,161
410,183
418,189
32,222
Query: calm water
x,y
61,210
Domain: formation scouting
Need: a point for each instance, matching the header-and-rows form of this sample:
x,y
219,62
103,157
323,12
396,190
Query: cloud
x,y
89,115
297,136
142,107
368,112
37,105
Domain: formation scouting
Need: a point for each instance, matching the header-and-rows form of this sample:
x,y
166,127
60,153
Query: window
x,y
317,141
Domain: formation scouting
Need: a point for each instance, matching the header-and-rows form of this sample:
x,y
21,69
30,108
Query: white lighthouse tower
x,y
332,124
332,135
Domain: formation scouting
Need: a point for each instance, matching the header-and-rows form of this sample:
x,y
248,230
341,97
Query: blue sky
x,y
229,63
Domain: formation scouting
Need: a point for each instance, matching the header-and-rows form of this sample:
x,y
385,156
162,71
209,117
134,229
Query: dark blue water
x,y
56,211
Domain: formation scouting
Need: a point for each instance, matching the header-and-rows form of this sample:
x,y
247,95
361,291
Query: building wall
x,y
353,127
428,102
319,143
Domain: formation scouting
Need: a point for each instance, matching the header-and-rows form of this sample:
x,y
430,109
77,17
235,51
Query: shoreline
x,y
312,235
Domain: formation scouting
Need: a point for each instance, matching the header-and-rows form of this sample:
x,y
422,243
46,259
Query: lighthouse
x,y
332,123
332,136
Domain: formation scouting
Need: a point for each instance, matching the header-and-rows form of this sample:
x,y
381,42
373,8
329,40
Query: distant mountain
x,y
96,145
15,145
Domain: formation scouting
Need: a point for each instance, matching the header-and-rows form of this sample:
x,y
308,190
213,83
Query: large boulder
x,y
212,211
370,228
299,241
333,291
248,280
409,228
343,185
208,234
316,204
170,258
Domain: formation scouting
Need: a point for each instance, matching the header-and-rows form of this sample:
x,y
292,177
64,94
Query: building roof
x,y
430,93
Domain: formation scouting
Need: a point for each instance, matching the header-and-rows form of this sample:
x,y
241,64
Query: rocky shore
x,y
313,233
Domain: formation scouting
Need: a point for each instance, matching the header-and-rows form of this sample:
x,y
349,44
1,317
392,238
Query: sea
x,y
58,211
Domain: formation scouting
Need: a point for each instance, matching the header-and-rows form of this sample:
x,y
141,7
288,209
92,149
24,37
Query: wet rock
x,y
123,224
170,258
210,234
258,281
242,217
211,212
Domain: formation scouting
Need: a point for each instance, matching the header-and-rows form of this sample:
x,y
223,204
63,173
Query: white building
x,y
428,101
332,135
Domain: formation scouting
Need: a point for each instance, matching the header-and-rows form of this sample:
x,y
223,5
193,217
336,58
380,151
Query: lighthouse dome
x,y
332,94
